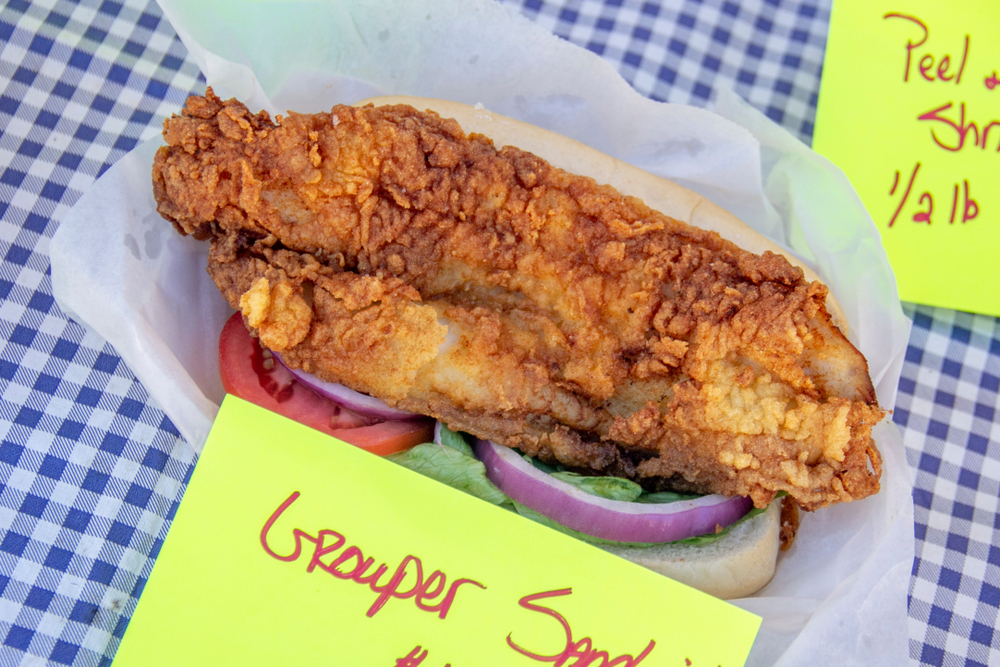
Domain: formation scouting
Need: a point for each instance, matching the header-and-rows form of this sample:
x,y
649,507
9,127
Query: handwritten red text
x,y
414,658
951,127
926,64
582,651
969,207
351,565
963,130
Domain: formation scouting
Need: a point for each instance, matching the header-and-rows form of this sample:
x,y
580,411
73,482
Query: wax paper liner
x,y
839,595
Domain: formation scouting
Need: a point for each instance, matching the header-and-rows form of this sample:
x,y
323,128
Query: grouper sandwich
x,y
582,320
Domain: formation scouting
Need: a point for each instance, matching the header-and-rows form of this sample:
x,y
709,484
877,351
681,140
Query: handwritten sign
x,y
292,548
909,108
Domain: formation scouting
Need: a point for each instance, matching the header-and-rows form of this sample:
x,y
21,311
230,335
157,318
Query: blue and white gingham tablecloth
x,y
92,471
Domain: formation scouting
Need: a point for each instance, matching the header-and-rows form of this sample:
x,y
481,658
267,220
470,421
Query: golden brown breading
x,y
384,249
789,522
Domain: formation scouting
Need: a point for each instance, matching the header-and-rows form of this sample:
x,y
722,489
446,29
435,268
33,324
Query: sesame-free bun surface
x,y
734,566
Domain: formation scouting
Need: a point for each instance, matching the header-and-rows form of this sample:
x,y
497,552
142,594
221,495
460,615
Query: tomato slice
x,y
245,373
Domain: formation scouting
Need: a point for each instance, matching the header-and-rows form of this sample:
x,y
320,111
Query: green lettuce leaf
x,y
455,440
453,463
663,497
451,466
611,488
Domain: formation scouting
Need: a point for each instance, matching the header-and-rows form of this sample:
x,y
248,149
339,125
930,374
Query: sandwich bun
x,y
733,566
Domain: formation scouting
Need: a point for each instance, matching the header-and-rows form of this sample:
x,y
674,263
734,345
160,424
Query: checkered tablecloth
x,y
91,470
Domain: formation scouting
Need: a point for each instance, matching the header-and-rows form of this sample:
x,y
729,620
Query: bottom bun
x,y
737,565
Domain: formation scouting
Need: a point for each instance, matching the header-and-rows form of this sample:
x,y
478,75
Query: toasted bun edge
x,y
734,566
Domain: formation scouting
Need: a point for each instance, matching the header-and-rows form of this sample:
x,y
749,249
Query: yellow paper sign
x,y
909,108
292,548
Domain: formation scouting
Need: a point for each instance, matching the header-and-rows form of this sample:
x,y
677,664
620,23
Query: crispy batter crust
x,y
789,522
521,303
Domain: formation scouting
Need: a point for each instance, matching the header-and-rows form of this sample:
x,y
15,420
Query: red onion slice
x,y
607,519
350,399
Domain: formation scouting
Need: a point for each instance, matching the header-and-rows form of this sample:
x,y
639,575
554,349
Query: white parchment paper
x,y
839,595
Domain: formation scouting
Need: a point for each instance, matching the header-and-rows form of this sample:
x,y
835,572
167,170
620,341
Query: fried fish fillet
x,y
384,249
